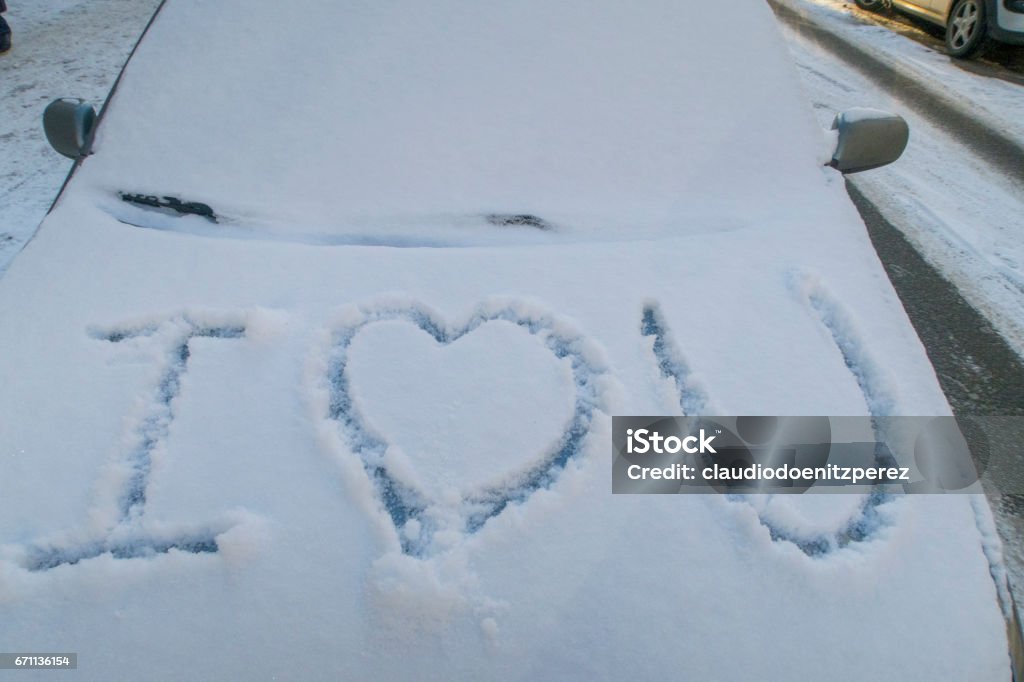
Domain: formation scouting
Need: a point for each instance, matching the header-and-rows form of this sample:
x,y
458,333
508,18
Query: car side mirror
x,y
69,124
868,138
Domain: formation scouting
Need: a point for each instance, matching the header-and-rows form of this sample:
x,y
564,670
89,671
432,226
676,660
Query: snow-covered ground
x,y
963,216
993,100
62,48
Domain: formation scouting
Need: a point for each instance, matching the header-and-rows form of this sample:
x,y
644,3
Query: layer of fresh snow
x,y
418,391
204,468
396,126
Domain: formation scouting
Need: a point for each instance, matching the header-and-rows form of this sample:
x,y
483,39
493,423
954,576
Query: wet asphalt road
x,y
979,373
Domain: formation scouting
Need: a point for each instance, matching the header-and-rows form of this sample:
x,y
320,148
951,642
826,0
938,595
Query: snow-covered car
x,y
310,371
969,24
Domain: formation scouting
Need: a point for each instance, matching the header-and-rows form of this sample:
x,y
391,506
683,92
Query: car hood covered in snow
x,y
360,427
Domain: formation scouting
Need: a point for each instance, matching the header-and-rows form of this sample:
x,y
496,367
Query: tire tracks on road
x,y
994,147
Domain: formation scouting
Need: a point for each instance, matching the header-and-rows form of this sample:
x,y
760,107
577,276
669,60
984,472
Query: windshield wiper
x,y
517,220
173,203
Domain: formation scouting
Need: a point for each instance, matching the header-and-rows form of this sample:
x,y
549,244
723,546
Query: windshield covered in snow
x,y
418,120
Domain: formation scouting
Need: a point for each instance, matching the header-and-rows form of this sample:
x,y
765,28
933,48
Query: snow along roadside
x,y
992,102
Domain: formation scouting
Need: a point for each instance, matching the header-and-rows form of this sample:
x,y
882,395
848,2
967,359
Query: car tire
x,y
870,5
967,29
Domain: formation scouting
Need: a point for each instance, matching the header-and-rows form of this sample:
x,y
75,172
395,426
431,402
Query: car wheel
x,y
966,29
870,5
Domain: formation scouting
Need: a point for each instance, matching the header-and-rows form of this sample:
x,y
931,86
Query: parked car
x,y
969,24
310,371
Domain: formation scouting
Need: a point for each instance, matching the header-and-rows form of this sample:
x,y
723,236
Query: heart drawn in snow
x,y
453,423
